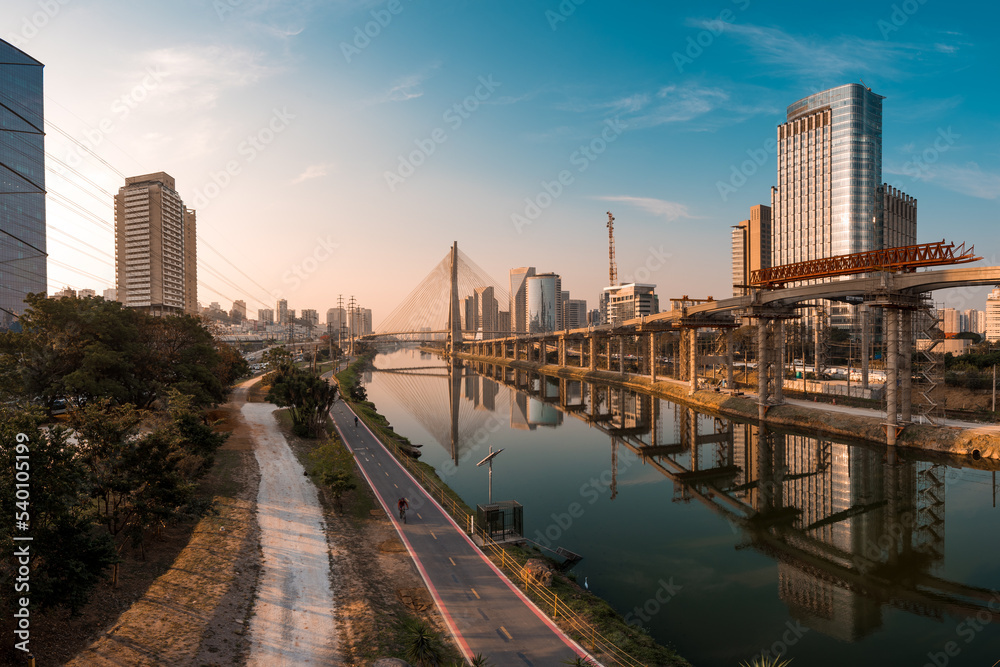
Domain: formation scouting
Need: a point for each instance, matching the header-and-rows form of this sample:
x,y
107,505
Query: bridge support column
x,y
652,357
621,355
865,344
692,359
762,365
729,359
592,352
891,373
906,366
779,370
562,350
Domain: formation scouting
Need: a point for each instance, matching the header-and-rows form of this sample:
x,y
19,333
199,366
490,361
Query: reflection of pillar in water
x,y
454,390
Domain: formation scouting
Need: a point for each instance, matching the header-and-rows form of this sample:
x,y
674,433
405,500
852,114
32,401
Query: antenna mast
x,y
612,268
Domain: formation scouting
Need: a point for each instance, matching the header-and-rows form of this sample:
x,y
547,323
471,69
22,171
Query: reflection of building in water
x,y
481,391
489,394
629,409
853,513
528,413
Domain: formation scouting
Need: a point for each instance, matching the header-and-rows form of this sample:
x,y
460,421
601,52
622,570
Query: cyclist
x,y
403,506
355,421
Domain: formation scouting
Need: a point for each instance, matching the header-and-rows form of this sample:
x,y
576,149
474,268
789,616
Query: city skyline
x,y
676,111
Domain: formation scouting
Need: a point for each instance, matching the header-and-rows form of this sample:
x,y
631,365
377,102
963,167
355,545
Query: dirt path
x,y
293,621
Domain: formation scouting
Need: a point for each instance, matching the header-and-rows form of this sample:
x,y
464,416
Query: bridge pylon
x,y
454,312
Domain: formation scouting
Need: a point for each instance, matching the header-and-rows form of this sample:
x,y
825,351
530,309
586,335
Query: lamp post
x,y
489,460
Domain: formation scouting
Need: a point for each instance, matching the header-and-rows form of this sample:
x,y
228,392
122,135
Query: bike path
x,y
485,612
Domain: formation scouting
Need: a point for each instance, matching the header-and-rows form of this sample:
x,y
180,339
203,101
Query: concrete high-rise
x,y
265,316
155,258
993,315
281,311
519,298
627,302
22,199
574,312
830,199
751,247
487,310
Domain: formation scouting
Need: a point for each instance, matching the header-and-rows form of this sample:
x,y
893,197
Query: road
x,y
485,612
293,622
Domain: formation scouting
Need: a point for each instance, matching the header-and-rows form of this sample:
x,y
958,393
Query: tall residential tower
x,y
155,256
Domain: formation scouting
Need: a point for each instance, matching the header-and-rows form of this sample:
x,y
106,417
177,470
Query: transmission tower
x,y
612,268
351,306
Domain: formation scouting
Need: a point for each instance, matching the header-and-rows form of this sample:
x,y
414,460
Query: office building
x,y
265,316
487,310
155,259
829,198
627,302
22,200
111,294
281,311
239,311
519,298
361,321
574,312
951,321
336,319
544,302
975,321
751,247
86,293
993,315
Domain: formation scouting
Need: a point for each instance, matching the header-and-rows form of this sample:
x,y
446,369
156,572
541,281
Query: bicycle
x,y
402,514
403,506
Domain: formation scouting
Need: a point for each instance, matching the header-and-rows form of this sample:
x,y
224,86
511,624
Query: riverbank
x,y
971,443
585,617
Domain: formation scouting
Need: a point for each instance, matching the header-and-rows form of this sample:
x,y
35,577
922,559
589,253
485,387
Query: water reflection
x,y
853,532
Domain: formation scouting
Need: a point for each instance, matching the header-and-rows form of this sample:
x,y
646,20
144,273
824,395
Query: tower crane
x,y
612,268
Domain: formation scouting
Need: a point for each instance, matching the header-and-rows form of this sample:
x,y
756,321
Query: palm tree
x,y
425,647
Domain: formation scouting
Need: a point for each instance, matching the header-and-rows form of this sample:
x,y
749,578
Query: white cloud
x,y
311,172
969,179
197,76
661,208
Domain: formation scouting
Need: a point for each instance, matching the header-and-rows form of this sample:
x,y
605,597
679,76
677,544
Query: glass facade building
x,y
544,296
830,199
22,170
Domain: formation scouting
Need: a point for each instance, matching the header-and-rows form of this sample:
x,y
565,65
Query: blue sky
x,y
323,161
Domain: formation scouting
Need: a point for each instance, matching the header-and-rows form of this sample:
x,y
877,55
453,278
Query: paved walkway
x,y
485,612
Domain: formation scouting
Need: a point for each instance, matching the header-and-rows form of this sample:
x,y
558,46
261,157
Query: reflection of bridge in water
x,y
851,531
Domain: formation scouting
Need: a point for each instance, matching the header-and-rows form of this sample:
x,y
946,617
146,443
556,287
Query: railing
x,y
562,613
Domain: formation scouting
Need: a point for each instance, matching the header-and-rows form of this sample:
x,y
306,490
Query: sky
x,y
340,147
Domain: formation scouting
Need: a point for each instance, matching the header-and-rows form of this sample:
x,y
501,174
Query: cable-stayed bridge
x,y
887,280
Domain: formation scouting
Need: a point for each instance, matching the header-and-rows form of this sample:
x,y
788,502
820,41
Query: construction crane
x,y
612,268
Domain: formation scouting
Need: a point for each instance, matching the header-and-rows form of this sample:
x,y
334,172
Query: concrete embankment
x,y
975,443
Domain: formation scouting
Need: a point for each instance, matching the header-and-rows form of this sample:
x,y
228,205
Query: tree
x,y
69,553
309,397
335,466
425,647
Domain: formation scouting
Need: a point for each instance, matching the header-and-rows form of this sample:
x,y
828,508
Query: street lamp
x,y
489,459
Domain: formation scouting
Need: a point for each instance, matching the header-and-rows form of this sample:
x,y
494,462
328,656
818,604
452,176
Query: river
x,y
727,540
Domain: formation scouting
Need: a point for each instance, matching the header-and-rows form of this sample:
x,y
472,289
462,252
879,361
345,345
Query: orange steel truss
x,y
905,258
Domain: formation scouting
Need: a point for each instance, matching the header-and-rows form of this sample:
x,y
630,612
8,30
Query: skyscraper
x,y
519,298
544,301
830,198
281,311
22,199
155,260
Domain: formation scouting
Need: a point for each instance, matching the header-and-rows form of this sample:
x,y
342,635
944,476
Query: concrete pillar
x,y
891,372
865,345
817,344
652,357
592,354
729,359
562,350
779,357
693,359
762,359
906,366
621,354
